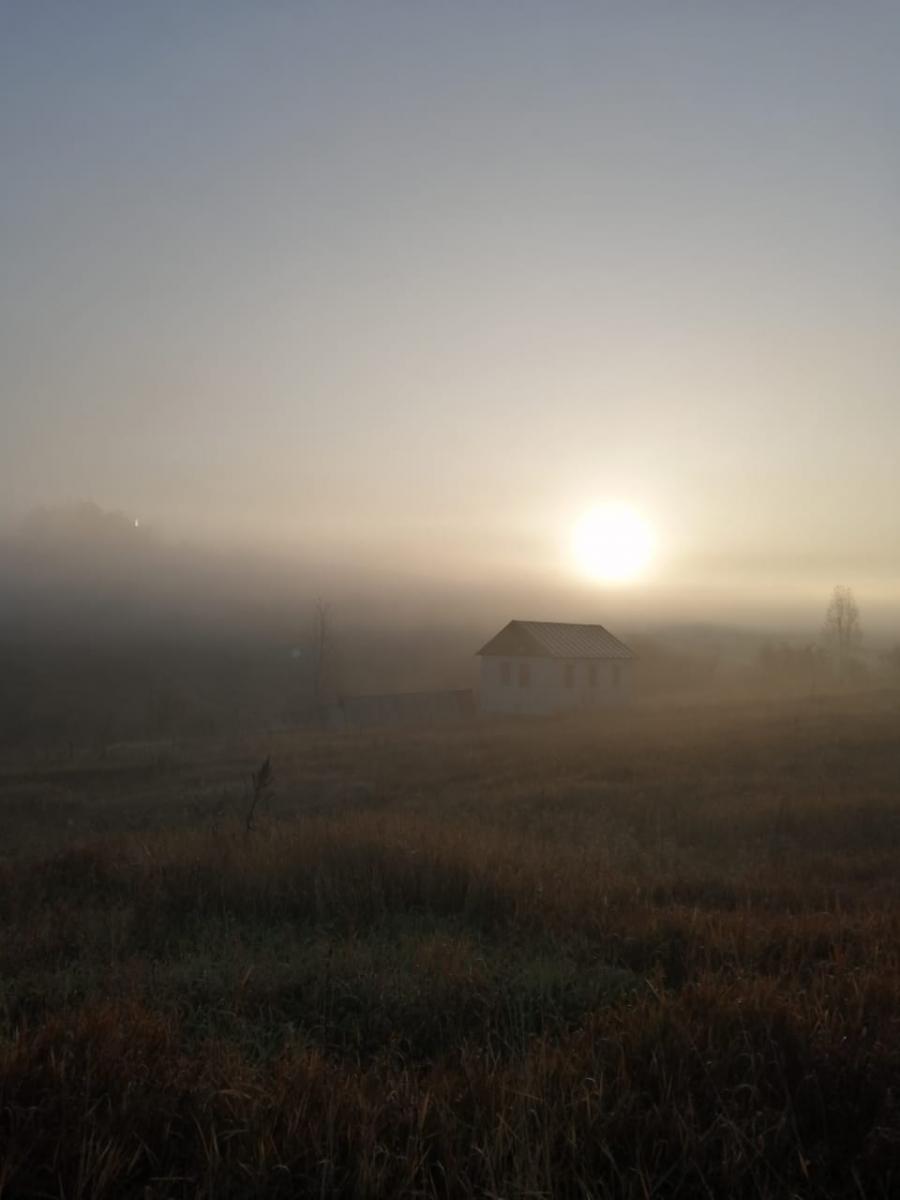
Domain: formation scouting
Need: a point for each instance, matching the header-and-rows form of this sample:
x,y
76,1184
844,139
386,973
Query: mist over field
x,y
111,631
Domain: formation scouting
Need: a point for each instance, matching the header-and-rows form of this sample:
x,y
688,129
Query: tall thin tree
x,y
321,649
842,627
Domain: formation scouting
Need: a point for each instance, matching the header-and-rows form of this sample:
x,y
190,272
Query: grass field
x,y
652,955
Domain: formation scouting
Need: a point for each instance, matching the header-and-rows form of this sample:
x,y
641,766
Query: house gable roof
x,y
554,639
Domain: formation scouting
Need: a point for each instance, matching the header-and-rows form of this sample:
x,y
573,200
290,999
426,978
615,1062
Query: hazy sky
x,y
419,282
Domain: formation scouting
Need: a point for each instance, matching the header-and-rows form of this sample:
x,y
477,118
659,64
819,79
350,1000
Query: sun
x,y
612,544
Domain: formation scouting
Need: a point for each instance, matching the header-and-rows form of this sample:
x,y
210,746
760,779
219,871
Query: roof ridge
x,y
579,624
558,639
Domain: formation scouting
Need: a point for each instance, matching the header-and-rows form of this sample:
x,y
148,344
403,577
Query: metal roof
x,y
555,639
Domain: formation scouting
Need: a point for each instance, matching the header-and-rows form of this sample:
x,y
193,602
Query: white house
x,y
549,667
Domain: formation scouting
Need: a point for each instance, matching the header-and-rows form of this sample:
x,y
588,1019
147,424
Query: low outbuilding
x,y
551,667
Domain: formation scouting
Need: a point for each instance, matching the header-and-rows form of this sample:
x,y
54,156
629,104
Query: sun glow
x,y
612,544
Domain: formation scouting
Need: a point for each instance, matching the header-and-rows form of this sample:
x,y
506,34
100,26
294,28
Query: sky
x,y
413,286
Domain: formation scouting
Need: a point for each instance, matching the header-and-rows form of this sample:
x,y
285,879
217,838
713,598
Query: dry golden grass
x,y
655,956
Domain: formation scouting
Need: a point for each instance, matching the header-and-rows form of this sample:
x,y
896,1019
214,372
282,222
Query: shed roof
x,y
555,639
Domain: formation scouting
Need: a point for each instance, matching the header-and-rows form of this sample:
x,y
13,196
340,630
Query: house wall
x,y
546,690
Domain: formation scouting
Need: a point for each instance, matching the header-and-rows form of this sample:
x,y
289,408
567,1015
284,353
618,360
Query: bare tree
x,y
842,627
321,649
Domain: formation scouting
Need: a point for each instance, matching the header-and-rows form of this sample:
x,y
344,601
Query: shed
x,y
551,667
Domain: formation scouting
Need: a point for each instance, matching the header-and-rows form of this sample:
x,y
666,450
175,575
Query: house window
x,y
506,673
569,675
592,675
616,675
524,674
